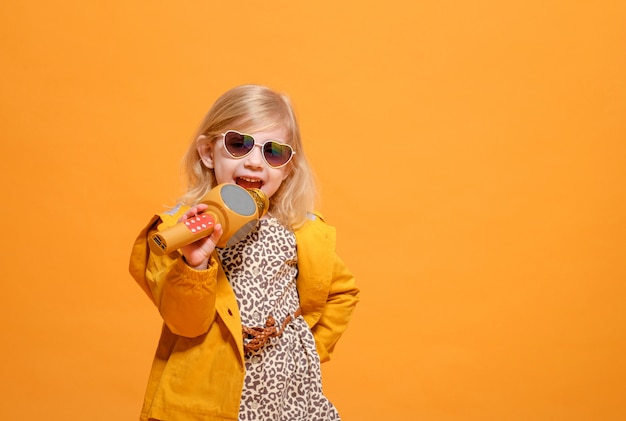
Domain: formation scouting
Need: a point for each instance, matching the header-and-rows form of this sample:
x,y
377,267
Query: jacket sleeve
x,y
185,297
328,291
343,297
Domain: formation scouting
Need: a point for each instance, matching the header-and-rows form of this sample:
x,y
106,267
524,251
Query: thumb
x,y
216,234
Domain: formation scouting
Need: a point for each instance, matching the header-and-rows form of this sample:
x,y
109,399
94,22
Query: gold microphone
x,y
236,208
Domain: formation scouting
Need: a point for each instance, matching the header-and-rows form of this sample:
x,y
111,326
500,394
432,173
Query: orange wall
x,y
471,154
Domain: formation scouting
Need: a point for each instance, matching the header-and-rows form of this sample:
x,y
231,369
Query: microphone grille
x,y
261,200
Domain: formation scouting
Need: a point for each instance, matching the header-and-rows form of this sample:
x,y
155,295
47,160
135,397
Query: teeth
x,y
250,180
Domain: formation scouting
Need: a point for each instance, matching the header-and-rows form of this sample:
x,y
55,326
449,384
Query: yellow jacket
x,y
198,369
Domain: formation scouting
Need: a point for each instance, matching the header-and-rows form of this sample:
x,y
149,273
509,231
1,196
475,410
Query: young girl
x,y
283,279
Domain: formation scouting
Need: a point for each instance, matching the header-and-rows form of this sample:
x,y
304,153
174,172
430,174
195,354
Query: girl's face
x,y
251,171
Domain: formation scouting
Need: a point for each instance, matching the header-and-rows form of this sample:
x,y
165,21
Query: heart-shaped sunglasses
x,y
239,145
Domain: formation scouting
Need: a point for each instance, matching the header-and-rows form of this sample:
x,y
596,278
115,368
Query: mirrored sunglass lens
x,y
238,144
276,154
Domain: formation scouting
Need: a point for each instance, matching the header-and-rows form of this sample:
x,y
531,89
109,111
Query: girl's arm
x,y
184,296
343,296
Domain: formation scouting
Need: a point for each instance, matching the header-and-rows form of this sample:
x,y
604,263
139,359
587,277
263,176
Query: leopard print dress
x,y
283,378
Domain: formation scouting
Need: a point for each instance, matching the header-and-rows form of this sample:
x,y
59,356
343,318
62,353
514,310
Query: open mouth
x,y
249,183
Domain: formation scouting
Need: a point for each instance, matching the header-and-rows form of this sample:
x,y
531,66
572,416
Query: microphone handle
x,y
181,234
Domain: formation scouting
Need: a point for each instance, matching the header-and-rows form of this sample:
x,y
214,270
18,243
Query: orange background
x,y
471,154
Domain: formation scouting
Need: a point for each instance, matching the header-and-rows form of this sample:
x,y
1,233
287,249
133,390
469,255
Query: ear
x,y
205,150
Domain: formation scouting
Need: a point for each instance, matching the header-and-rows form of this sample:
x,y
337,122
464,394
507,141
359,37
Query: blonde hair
x,y
251,108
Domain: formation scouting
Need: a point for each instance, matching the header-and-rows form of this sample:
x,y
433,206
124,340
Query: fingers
x,y
193,211
198,253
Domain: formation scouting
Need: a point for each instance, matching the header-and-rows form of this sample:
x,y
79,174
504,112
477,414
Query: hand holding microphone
x,y
198,253
236,209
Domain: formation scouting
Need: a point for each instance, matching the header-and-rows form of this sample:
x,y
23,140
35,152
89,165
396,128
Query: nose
x,y
255,158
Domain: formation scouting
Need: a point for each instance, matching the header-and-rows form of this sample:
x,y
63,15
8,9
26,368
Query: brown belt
x,y
257,337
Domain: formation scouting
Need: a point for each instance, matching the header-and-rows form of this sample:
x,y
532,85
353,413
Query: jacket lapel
x,y
316,247
227,309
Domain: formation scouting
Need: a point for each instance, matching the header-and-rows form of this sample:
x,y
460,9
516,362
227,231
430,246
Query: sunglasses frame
x,y
260,145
